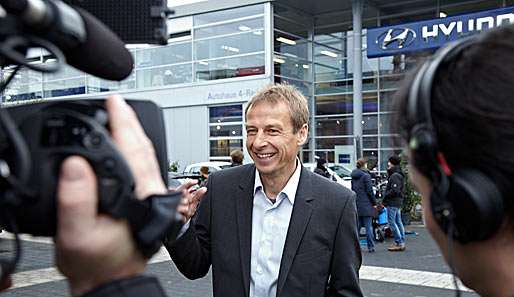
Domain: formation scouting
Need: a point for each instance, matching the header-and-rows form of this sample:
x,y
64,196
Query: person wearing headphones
x,y
459,130
95,252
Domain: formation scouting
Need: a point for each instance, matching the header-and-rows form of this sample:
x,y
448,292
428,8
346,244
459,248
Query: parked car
x,y
213,166
334,176
342,171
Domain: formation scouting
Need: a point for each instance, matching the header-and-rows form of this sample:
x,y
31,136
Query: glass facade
x,y
225,131
314,53
216,45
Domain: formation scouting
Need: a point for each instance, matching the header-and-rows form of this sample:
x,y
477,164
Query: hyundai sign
x,y
432,34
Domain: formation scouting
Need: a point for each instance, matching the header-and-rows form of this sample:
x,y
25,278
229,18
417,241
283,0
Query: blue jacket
x,y
361,185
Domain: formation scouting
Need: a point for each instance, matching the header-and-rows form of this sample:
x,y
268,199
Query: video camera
x,y
35,138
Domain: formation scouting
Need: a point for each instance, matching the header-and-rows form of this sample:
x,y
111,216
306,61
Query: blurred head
x,y
321,163
472,109
361,163
276,127
393,160
204,170
237,156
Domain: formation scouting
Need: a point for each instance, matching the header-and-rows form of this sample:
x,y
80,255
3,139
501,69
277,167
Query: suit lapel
x,y
244,208
300,217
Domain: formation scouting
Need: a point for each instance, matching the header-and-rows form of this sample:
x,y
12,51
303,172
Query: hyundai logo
x,y
396,38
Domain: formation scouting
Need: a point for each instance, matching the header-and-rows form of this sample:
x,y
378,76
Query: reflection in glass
x,y
224,46
334,126
225,130
223,147
226,113
291,46
230,67
390,142
292,68
163,55
65,87
386,123
370,125
337,104
329,143
163,76
230,28
223,15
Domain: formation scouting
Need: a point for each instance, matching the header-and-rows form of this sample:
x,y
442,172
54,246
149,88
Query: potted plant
x,y
411,198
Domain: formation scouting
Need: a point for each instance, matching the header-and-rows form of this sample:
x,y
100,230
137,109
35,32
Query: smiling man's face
x,y
271,142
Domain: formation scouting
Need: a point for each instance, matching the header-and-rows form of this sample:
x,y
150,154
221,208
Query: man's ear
x,y
302,134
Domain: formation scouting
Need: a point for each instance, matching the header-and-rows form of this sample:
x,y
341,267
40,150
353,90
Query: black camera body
x,y
54,130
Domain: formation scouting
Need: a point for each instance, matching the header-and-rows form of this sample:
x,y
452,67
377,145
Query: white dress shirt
x,y
270,222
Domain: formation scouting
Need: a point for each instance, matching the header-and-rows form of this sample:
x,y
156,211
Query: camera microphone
x,y
87,43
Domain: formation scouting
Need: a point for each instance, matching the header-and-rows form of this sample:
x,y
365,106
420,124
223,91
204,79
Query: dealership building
x,y
347,57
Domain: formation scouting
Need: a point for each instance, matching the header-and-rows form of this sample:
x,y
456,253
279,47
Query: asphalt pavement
x,y
384,273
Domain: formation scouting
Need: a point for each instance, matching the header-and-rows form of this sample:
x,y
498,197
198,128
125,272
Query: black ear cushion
x,y
477,205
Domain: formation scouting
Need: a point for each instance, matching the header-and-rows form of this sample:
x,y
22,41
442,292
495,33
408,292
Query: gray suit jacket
x,y
321,255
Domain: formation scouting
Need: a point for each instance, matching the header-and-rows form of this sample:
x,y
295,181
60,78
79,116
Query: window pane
x,y
370,142
390,82
236,27
338,104
387,101
291,46
227,113
162,76
65,72
225,130
230,67
369,102
65,87
386,124
302,86
390,142
293,68
95,84
229,46
329,143
334,126
223,147
370,125
169,54
345,86
224,15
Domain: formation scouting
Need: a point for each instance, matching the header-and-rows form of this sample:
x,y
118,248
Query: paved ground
x,y
419,271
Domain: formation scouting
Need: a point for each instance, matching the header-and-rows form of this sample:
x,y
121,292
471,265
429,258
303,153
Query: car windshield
x,y
340,170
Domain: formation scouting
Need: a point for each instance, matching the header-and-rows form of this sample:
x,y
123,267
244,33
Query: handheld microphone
x,y
87,43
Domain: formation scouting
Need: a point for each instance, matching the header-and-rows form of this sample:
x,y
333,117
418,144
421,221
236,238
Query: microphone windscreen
x,y
103,54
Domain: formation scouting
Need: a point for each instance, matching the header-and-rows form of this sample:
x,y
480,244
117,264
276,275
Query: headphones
x,y
465,202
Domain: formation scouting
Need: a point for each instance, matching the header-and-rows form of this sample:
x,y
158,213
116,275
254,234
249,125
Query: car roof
x,y
210,163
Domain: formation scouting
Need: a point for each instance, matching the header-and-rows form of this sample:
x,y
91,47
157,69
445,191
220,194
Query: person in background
x,y
366,202
236,156
393,200
465,173
204,176
321,168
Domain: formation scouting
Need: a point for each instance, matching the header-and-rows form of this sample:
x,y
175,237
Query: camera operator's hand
x,y
91,248
191,197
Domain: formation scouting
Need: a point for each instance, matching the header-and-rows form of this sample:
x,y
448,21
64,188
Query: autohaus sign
x,y
432,34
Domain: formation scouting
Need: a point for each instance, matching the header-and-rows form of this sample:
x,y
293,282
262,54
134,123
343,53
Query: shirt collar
x,y
290,188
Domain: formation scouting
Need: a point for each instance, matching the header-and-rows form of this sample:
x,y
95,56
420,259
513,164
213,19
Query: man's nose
x,y
260,139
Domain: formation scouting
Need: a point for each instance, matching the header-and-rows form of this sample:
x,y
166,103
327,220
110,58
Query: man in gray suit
x,y
273,228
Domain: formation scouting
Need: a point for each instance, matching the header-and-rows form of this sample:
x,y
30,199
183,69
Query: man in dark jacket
x,y
361,185
321,168
393,200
